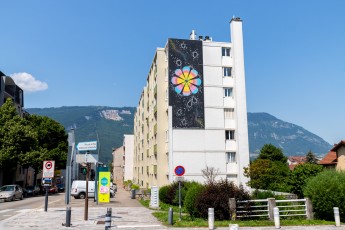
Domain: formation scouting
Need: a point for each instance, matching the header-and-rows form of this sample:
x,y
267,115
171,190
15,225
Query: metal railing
x,y
296,207
252,208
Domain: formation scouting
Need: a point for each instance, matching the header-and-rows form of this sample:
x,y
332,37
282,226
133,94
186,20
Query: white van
x,y
78,189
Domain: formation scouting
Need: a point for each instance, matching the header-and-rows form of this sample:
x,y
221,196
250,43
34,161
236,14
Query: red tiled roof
x,y
337,146
329,159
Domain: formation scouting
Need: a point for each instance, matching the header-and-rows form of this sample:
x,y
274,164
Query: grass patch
x,y
187,221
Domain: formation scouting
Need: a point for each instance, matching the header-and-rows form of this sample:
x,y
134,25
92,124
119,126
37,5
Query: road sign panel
x,y
87,146
48,169
179,170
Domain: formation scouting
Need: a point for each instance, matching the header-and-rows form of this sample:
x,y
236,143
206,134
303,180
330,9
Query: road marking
x,y
6,210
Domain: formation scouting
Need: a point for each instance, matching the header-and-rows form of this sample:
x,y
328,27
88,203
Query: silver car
x,y
11,192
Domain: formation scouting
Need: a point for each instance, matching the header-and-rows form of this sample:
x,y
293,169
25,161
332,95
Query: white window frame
x,y
228,92
230,157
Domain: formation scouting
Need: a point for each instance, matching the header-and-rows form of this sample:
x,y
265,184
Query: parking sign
x,y
48,169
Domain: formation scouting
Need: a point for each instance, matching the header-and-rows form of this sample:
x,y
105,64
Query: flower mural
x,y
186,81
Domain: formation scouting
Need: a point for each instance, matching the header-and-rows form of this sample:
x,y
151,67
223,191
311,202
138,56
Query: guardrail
x,y
263,208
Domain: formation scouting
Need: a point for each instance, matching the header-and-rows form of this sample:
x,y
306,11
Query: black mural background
x,y
187,111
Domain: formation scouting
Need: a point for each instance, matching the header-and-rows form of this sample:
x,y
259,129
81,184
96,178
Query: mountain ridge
x,y
108,125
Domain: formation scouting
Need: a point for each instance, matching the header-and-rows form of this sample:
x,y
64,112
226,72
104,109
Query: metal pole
x,y
336,216
46,199
179,198
68,217
86,208
171,216
108,219
210,218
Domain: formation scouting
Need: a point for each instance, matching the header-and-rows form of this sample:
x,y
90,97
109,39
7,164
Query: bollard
x,y
233,226
68,217
211,218
171,216
108,219
336,216
276,217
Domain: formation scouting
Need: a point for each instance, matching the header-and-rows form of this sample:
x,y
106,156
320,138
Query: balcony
x,y
155,129
155,149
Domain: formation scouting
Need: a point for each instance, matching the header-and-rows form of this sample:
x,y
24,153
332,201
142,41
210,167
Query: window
x,y
230,157
226,51
227,71
229,134
227,92
167,136
229,113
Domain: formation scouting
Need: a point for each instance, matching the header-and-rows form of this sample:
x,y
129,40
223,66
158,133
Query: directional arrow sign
x,y
86,146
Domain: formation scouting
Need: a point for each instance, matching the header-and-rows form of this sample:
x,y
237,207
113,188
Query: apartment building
x,y
192,112
9,89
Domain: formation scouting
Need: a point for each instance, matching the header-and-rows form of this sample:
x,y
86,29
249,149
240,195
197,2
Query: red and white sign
x,y
48,169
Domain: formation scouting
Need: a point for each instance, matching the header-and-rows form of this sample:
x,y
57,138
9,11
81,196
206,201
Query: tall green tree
x,y
269,171
16,139
310,157
271,152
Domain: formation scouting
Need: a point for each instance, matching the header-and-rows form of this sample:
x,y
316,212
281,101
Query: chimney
x,y
192,35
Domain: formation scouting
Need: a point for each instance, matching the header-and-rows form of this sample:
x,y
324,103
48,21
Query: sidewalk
x,y
127,213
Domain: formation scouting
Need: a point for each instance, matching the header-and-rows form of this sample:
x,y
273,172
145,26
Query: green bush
x,y
216,195
190,199
326,190
163,191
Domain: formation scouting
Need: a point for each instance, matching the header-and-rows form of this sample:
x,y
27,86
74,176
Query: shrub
x,y
190,199
216,195
163,193
326,190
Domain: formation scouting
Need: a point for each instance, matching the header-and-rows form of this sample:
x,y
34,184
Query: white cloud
x,y
28,83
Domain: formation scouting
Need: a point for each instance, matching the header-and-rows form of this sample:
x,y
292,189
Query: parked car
x,y
61,187
53,189
78,189
11,192
32,190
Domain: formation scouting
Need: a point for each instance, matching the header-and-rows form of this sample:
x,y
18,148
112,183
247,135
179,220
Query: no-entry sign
x,y
179,170
48,169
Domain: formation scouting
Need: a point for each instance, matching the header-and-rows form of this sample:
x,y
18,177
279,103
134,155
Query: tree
x,y
210,173
310,157
300,175
269,171
270,152
267,174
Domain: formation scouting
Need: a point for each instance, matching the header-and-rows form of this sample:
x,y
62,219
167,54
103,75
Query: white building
x,y
192,112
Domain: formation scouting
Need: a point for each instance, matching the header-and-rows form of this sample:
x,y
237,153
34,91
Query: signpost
x,y
47,175
87,146
179,171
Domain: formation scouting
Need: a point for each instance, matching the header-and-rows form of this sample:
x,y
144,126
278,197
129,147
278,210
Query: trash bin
x,y
133,194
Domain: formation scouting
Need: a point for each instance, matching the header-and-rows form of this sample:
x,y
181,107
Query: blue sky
x,y
68,53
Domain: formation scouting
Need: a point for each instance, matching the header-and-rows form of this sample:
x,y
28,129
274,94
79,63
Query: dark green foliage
x,y
310,158
299,176
163,191
216,195
191,197
269,175
272,153
257,195
326,190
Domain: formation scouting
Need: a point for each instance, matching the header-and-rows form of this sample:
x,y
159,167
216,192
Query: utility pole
x,y
86,208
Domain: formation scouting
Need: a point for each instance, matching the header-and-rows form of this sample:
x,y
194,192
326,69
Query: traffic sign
x,y
86,146
48,169
179,170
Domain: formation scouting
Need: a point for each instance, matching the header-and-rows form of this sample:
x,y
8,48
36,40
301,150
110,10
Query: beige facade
x,y
150,140
340,150
118,166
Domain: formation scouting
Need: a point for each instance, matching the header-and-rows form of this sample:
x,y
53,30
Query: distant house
x,y
336,157
293,161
